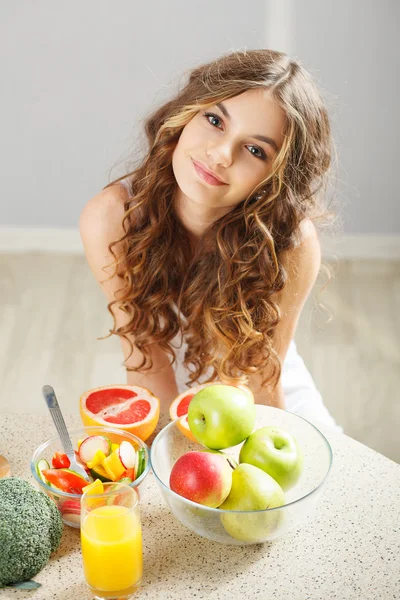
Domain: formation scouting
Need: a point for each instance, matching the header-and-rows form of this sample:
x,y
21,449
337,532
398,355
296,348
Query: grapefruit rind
x,y
183,426
142,428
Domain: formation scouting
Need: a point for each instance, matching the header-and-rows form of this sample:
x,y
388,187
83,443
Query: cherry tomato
x,y
60,461
128,473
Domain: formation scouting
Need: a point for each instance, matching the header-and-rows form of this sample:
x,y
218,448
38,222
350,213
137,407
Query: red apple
x,y
205,478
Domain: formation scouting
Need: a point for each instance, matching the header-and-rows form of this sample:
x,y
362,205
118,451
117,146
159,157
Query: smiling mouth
x,y
207,177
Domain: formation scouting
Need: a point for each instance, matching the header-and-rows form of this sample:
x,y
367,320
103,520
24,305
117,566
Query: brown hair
x,y
226,288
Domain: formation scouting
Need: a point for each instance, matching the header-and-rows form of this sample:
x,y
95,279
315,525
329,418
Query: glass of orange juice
x,y
111,537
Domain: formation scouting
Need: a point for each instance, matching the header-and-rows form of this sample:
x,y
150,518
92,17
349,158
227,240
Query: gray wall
x,y
353,48
78,77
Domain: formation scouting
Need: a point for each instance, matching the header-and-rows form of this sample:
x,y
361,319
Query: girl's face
x,y
226,139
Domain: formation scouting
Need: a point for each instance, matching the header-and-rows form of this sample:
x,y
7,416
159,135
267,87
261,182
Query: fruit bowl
x,y
258,525
68,503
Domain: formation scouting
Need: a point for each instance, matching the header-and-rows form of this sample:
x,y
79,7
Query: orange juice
x,y
111,539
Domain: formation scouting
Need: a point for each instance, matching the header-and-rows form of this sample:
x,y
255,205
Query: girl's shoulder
x,y
307,244
307,230
302,262
101,219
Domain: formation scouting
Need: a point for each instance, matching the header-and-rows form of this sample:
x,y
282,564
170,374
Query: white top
x,y
300,392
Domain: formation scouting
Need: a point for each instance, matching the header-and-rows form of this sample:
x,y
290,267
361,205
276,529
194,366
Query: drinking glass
x,y
111,538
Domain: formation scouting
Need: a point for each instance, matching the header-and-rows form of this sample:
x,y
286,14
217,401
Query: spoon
x,y
56,415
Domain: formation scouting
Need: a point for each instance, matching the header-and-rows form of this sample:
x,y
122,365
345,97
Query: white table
x,y
350,551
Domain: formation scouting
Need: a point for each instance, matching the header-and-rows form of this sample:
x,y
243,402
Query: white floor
x,y
52,313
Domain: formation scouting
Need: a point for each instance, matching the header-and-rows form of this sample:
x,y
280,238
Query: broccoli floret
x,y
30,530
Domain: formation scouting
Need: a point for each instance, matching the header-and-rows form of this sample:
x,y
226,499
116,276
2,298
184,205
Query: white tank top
x,y
291,356
300,392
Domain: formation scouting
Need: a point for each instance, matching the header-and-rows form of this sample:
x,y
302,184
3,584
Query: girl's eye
x,y
207,115
261,154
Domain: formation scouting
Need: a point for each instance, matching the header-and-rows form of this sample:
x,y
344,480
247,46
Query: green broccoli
x,y
30,530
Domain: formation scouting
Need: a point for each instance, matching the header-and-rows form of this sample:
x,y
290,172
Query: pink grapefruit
x,y
128,407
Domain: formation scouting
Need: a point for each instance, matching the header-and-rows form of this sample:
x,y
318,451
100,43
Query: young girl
x,y
207,250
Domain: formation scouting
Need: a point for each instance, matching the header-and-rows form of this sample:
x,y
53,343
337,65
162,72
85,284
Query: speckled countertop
x,y
350,551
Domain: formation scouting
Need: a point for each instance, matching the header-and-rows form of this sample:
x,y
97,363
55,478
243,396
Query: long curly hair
x,y
225,287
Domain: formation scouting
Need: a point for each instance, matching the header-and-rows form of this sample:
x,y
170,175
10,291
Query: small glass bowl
x,y
248,527
69,504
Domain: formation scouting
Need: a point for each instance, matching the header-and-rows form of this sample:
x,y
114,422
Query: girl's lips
x,y
206,176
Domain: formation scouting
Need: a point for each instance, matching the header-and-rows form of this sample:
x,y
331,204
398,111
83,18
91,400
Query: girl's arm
x,y
302,265
100,224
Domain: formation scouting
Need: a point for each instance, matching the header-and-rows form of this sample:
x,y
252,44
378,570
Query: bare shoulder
x,y
305,258
308,234
100,225
103,214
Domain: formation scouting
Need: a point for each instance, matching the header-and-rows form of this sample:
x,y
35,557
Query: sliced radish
x,y
91,445
127,454
73,518
70,507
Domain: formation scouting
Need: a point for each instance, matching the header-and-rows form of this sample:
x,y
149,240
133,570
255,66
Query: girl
x,y
207,250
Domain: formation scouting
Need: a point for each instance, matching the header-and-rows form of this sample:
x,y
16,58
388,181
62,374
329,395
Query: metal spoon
x,y
56,415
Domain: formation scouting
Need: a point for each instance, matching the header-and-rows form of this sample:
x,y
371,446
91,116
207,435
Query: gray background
x,y
78,78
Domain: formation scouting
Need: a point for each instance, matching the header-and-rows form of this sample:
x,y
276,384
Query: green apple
x,y
252,490
221,416
276,452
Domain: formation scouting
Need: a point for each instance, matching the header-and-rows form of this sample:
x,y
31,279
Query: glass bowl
x,y
69,504
258,525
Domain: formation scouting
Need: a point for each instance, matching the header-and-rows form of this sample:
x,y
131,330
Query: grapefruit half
x,y
128,407
180,406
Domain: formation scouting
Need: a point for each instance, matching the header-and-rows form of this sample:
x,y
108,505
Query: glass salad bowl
x,y
256,526
67,502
